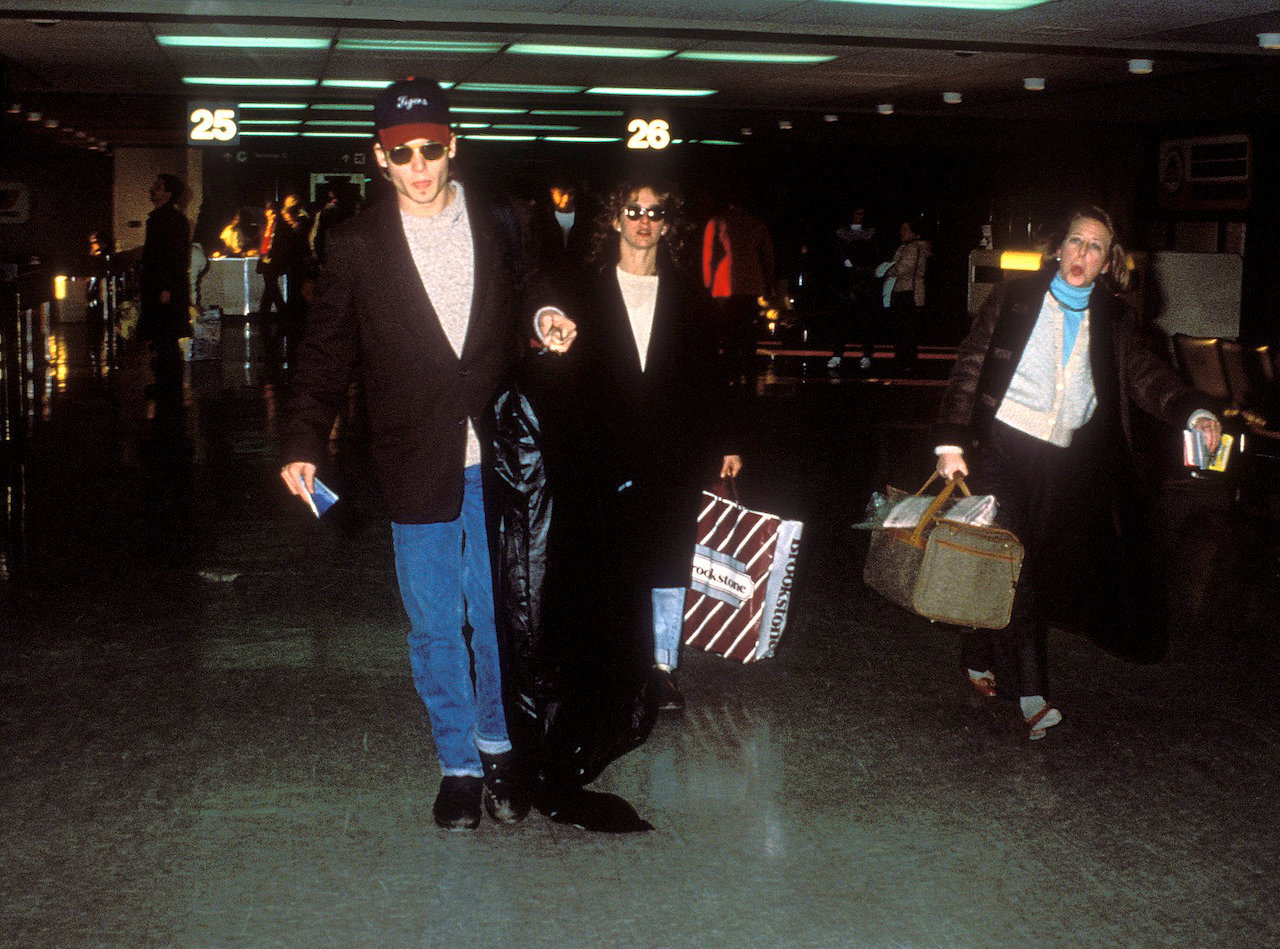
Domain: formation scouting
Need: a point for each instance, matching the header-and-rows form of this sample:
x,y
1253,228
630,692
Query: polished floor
x,y
211,738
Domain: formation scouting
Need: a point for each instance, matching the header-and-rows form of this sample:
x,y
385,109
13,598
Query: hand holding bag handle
x,y
916,539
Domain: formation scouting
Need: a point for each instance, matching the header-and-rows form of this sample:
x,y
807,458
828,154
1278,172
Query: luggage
x,y
943,570
743,574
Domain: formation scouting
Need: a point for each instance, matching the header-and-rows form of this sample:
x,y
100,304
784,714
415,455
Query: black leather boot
x,y
457,806
506,796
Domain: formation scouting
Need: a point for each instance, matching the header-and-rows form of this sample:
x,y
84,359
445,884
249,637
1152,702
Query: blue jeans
x,y
446,583
668,617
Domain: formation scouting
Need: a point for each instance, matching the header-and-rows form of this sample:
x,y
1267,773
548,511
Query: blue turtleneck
x,y
1074,301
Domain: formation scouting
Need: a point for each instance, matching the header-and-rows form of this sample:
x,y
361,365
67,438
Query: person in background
x,y
420,297
1038,413
906,301
165,278
737,270
854,281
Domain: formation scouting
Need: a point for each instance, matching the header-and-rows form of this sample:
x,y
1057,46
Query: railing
x,y
32,301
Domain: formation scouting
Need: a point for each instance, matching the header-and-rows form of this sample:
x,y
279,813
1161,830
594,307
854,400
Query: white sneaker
x,y
833,362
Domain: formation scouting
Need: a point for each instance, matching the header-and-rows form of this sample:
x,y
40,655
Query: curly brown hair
x,y
604,237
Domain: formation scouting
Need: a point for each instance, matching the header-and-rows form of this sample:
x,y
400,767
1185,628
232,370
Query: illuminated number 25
x,y
654,134
218,125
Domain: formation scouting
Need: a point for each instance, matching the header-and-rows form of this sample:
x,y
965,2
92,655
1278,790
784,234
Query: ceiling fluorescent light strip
x,y
344,106
952,4
335,134
517,87
485,110
418,46
583,139
243,42
502,138
267,134
626,91
272,105
348,123
582,113
357,83
516,127
607,52
728,56
244,81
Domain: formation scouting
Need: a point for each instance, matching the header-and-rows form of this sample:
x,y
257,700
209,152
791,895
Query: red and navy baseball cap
x,y
411,108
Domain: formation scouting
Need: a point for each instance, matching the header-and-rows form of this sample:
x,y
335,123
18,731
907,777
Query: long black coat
x,y
658,434
1090,562
166,267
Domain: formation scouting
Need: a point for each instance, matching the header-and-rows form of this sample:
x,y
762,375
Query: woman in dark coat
x,y
1038,411
656,403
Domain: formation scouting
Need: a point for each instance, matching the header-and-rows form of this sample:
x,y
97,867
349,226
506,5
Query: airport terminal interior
x,y
211,734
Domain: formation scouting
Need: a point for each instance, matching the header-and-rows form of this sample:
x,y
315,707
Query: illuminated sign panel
x,y
213,123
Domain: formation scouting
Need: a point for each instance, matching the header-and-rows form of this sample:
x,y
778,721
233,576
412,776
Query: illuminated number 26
x,y
218,125
654,134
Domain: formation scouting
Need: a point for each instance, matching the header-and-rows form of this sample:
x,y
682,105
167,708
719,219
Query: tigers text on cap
x,y
411,108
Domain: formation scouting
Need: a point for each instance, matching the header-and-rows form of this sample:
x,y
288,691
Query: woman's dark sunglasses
x,y
634,212
403,154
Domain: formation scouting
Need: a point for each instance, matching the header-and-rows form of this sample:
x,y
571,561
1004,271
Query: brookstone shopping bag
x,y
743,571
944,570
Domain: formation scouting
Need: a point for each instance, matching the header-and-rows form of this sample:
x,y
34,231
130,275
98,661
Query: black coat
x,y
166,267
371,314
657,435
1090,560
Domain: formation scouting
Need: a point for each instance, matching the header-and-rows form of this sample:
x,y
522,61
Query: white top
x,y
640,294
445,258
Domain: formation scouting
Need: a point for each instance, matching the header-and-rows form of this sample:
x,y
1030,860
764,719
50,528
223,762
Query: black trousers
x,y
1036,486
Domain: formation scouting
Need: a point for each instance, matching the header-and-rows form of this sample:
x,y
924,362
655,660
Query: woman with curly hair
x,y
649,373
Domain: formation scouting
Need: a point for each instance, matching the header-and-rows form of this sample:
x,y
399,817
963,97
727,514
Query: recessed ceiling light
x,y
1033,85
1141,67
784,124
728,56
1269,40
243,42
885,108
607,52
952,98
831,117
625,91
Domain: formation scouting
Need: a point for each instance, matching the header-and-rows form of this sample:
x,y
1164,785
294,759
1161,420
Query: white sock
x,y
1031,704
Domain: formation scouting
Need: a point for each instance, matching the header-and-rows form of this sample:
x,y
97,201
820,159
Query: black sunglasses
x,y
403,154
633,212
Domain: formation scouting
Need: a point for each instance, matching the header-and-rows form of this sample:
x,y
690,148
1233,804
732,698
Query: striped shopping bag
x,y
743,572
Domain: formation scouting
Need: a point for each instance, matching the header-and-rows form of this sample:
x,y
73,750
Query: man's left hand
x,y
730,466
557,331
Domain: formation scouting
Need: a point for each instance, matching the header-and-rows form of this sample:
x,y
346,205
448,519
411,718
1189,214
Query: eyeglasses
x,y
403,154
633,212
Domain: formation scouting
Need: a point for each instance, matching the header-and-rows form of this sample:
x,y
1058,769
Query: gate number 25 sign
x,y
212,123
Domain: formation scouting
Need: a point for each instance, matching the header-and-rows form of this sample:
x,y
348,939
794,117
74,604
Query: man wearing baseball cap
x,y
424,300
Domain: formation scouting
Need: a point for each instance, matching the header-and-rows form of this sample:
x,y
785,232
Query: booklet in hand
x,y
322,498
